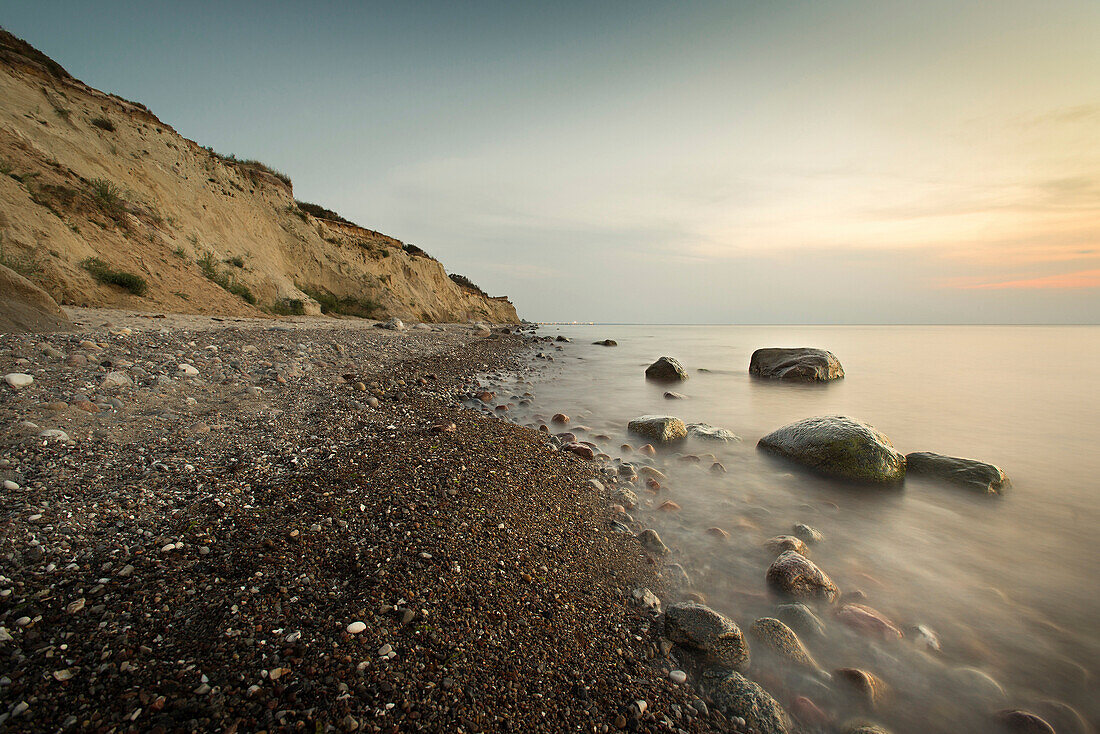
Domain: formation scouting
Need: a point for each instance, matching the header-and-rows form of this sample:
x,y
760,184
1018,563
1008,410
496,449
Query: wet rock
x,y
646,599
652,542
661,428
669,506
838,446
707,432
781,543
718,532
783,641
701,628
867,687
862,727
1023,722
970,473
675,576
978,683
626,498
793,575
607,343
560,418
807,534
870,621
580,449
804,363
738,696
666,368
669,395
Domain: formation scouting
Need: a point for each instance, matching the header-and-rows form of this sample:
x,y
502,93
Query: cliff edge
x,y
102,204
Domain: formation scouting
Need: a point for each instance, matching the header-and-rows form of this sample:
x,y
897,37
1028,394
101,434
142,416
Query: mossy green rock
x,y
838,446
736,695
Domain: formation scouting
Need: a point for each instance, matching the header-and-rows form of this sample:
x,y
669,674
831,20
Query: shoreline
x,y
194,558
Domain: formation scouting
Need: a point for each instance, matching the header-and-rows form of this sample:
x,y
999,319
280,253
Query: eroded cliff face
x,y
87,175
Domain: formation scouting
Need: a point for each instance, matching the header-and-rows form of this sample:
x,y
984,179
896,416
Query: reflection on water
x,y
1007,587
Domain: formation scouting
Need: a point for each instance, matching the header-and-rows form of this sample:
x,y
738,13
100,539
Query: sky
x,y
827,161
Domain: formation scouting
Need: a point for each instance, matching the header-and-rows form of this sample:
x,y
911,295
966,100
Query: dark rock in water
x,y
707,432
793,575
1023,722
867,687
563,339
801,618
26,307
838,446
783,641
803,363
701,628
970,473
652,542
871,621
736,695
674,396
666,368
607,343
582,450
661,428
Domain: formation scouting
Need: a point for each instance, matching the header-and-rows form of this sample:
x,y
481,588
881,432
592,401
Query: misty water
x,y
1007,584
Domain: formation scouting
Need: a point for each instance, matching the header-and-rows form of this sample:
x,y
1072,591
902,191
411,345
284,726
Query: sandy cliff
x,y
87,175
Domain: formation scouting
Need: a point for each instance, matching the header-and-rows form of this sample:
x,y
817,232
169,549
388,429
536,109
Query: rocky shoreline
x,y
248,525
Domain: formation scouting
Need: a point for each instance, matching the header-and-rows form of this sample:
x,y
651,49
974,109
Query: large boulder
x,y
26,307
736,695
666,368
970,473
660,428
803,363
783,641
794,576
715,635
838,446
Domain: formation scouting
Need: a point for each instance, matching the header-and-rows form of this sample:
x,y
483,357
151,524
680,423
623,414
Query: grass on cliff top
x,y
107,275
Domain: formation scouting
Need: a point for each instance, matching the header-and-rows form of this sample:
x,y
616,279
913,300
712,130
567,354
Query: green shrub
x,y
103,124
347,305
289,307
236,261
322,213
109,198
107,275
209,267
240,289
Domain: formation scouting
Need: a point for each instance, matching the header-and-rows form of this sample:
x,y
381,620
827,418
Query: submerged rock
x,y
781,543
863,727
652,542
1023,722
868,687
666,368
660,428
736,695
794,575
838,446
607,343
707,432
783,641
801,617
807,534
868,620
714,634
802,363
970,473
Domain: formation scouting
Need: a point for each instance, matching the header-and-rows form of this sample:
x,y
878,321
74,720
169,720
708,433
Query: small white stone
x,y
62,675
18,380
677,676
9,484
356,627
385,650
295,636
188,370
75,606
54,433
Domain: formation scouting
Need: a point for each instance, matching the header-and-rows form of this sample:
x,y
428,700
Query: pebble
x,y
385,650
10,485
356,627
18,380
677,676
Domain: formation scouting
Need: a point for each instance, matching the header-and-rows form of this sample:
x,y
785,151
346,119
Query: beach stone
x,y
738,696
970,473
626,498
677,676
701,628
1023,722
707,432
781,543
865,619
652,542
807,534
117,379
18,380
356,627
669,395
838,446
868,687
54,433
794,575
802,363
560,418
660,428
666,368
861,727
783,641
647,599
396,324
978,683
675,576
188,370
580,449
607,343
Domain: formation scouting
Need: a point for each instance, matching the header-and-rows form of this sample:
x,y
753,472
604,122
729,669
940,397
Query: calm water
x,y
1009,584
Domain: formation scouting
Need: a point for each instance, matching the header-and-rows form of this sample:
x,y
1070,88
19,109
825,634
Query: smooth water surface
x,y
1009,584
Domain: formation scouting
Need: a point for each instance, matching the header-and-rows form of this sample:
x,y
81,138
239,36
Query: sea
x,y
998,596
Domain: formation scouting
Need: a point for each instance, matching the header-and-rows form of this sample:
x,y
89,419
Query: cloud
x,y
1061,281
